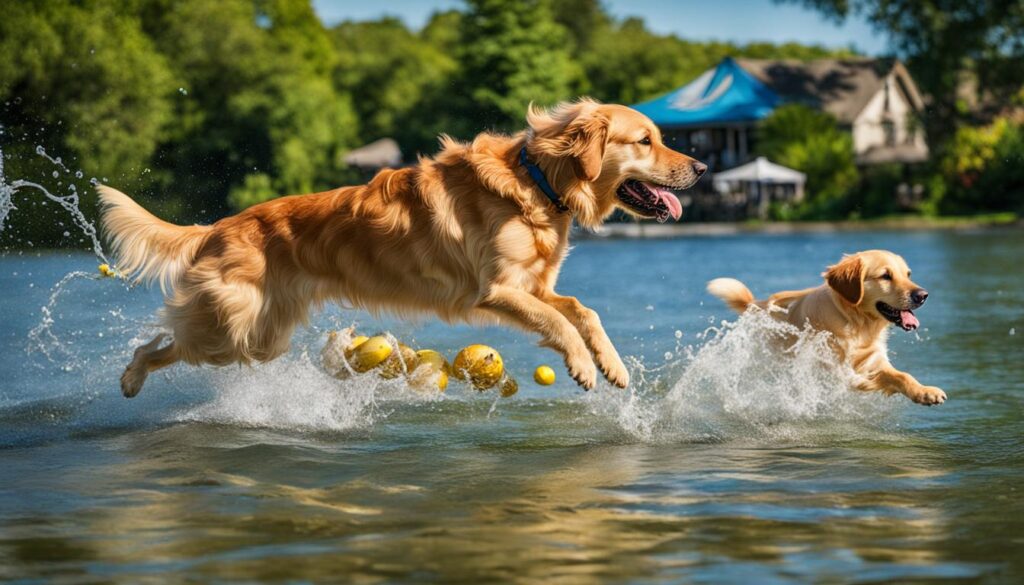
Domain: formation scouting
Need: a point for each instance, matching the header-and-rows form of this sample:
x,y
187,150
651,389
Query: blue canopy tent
x,y
724,95
713,116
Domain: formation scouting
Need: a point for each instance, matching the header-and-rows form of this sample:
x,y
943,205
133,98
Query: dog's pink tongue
x,y
909,321
668,198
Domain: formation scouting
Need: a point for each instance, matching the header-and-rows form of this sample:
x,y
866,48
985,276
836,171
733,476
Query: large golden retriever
x,y
476,233
863,294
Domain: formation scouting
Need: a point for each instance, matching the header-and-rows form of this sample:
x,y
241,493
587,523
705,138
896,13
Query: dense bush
x,y
982,169
810,141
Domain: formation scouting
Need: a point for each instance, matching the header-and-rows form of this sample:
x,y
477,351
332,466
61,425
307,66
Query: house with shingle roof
x,y
715,116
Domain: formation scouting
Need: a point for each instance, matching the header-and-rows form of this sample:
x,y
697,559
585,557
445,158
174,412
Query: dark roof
x,y
841,87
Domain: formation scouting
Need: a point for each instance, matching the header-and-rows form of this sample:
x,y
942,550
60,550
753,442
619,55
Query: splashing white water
x,y
296,393
69,202
756,378
42,337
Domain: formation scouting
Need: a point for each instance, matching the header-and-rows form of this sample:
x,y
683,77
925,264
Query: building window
x,y
890,132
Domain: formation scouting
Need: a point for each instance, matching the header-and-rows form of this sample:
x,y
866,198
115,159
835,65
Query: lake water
x,y
719,465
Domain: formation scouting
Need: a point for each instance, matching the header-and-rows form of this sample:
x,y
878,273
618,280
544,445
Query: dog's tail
x,y
733,292
146,247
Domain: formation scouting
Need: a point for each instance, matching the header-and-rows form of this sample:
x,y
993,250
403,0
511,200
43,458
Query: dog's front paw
x,y
613,369
583,370
928,396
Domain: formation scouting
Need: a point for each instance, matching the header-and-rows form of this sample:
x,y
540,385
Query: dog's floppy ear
x,y
588,137
847,278
576,131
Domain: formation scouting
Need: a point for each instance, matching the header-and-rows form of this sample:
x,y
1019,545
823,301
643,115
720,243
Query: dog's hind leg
x,y
147,358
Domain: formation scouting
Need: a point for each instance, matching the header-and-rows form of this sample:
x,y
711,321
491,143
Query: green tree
x,y
395,78
947,42
983,169
511,53
84,80
810,141
257,98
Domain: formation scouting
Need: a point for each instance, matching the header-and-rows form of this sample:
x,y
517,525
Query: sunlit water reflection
x,y
726,462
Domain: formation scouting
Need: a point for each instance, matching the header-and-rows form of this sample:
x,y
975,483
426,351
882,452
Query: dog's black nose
x,y
919,296
699,168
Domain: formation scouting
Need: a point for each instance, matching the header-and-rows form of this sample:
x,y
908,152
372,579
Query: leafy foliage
x,y
948,42
511,53
810,141
983,168
204,107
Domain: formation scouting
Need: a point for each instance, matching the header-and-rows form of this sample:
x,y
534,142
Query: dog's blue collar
x,y
538,177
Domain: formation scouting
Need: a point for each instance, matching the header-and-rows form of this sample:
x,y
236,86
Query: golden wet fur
x,y
465,235
845,306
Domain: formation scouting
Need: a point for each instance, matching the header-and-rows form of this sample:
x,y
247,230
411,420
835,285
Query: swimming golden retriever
x,y
863,294
476,233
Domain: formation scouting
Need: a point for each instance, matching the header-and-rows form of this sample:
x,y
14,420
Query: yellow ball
x,y
338,350
434,359
370,353
402,362
544,375
482,364
353,344
431,371
509,387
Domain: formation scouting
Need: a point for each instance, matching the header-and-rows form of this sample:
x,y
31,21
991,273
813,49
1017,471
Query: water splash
x,y
69,202
755,378
296,393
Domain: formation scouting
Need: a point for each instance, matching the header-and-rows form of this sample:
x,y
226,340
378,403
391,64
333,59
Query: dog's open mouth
x,y
650,199
903,318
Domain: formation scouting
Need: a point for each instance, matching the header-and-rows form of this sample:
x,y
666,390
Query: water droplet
x,y
679,334
40,150
182,91
55,174
79,174
1013,331
649,307
668,355
67,234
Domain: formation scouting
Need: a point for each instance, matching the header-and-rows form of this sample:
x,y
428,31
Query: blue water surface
x,y
720,464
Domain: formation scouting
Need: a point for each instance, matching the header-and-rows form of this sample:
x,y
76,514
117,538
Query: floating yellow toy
x,y
431,371
544,375
338,350
481,364
370,353
107,272
356,342
401,362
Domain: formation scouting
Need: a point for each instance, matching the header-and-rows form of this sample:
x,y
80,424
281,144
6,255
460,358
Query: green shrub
x,y
983,169
810,141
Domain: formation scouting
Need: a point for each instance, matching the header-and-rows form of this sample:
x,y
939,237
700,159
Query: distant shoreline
x,y
673,230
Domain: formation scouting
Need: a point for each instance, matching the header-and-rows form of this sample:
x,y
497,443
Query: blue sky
x,y
741,21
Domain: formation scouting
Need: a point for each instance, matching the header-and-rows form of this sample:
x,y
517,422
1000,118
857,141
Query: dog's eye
x,y
886,276
646,140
